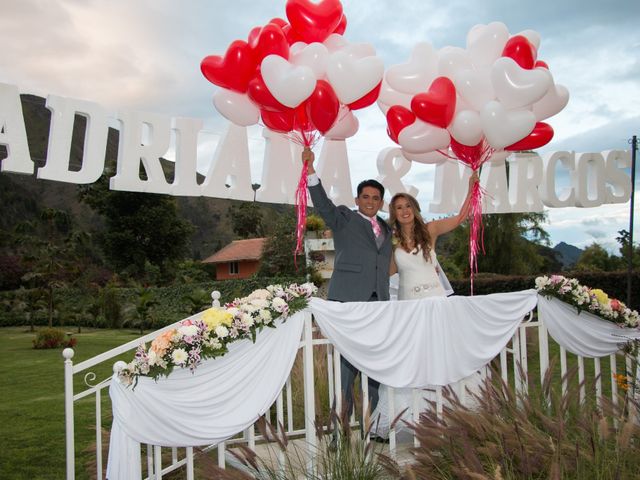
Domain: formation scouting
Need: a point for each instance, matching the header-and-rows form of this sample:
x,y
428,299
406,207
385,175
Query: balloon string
x,y
476,230
307,140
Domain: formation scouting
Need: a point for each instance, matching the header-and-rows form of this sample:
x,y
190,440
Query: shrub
x,y
52,338
315,223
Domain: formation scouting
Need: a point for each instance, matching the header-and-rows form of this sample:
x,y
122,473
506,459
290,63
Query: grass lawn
x,y
32,437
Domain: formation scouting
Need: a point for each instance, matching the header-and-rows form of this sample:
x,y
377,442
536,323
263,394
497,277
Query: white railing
x,y
514,367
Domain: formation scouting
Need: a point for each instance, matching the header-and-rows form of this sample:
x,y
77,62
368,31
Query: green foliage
x,y
277,257
315,223
596,258
139,313
111,306
139,228
624,239
511,244
52,338
246,220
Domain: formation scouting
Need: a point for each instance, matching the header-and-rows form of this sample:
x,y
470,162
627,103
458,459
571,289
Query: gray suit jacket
x,y
360,268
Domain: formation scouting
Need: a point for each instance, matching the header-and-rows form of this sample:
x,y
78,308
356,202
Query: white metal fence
x,y
529,350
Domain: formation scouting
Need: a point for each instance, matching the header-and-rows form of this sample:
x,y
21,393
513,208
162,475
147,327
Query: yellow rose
x,y
214,317
603,298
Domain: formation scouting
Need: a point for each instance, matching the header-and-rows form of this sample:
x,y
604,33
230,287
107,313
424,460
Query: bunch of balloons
x,y
495,91
299,77
482,102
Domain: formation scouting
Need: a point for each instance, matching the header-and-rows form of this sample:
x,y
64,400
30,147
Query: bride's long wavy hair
x,y
421,237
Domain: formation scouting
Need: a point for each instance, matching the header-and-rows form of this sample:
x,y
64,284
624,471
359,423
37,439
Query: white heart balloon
x,y
360,50
390,97
335,42
466,128
532,36
313,55
236,107
486,42
346,125
422,137
451,60
517,87
417,74
352,78
553,102
289,84
475,87
430,158
504,127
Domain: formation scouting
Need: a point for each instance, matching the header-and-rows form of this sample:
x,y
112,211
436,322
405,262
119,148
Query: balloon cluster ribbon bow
x,y
301,209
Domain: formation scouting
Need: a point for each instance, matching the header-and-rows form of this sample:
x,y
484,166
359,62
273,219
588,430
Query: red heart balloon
x,y
541,135
253,34
521,50
270,40
278,21
234,70
468,154
291,34
260,95
322,106
301,121
366,99
437,105
541,64
278,121
314,22
342,26
398,117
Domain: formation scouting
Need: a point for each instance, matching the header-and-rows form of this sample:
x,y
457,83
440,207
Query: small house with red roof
x,y
240,259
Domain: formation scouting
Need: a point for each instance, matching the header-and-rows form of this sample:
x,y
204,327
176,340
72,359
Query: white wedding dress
x,y
417,278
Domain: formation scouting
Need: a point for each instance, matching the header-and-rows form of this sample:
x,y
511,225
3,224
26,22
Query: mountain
x,y
568,254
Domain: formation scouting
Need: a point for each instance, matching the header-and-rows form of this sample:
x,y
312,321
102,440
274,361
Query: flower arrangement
x,y
193,341
594,300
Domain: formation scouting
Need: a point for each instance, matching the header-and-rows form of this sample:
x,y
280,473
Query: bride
x,y
414,259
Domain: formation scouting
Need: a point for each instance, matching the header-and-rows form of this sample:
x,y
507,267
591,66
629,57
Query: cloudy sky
x,y
145,55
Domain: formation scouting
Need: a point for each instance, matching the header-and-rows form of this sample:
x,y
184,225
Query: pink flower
x,y
615,304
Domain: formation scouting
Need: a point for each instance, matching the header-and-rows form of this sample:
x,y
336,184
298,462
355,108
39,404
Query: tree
x,y
596,258
623,239
277,256
246,220
139,228
511,245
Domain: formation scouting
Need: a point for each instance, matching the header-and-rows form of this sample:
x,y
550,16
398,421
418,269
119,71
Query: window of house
x,y
233,268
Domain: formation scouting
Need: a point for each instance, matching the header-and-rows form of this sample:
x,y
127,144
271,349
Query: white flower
x,y
188,330
278,304
260,303
153,357
261,294
265,316
221,331
179,356
246,320
233,311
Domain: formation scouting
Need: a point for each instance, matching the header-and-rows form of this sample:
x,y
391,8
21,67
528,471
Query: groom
x,y
363,252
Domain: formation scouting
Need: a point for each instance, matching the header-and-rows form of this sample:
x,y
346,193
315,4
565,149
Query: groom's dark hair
x,y
371,183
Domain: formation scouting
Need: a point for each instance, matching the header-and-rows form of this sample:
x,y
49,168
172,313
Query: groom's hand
x,y
308,157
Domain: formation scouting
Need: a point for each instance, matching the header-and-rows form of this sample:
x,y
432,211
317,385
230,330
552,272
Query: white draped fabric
x,y
222,397
420,343
583,334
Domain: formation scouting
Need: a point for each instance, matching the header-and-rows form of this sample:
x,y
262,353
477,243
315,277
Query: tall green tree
x,y
596,258
277,257
624,239
511,246
246,220
139,228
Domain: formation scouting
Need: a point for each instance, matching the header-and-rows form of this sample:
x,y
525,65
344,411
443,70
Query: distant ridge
x,y
568,254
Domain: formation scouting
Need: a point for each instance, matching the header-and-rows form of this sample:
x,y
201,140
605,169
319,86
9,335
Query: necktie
x,y
376,226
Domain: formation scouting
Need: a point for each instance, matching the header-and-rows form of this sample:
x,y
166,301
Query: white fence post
x,y
309,393
68,353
